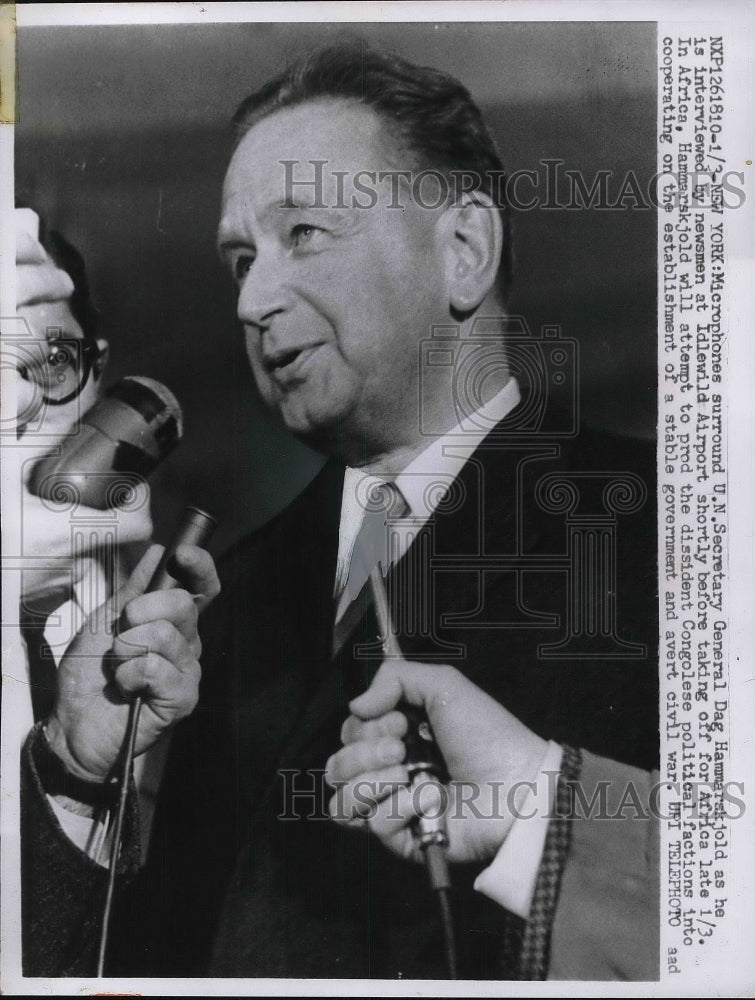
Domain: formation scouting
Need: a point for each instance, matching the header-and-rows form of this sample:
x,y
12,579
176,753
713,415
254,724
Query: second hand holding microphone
x,y
119,442
195,529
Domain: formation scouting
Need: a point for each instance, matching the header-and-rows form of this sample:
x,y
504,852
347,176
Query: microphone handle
x,y
425,765
423,758
422,751
195,529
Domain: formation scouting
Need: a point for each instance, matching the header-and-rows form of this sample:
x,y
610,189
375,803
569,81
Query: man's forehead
x,y
344,136
52,320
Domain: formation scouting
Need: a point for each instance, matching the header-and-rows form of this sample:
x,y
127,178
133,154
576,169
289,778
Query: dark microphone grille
x,y
166,398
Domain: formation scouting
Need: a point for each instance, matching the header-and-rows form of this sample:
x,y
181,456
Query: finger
x,y
363,756
134,519
139,580
160,637
359,799
42,282
418,683
175,606
28,248
383,694
105,618
156,680
195,569
390,816
390,724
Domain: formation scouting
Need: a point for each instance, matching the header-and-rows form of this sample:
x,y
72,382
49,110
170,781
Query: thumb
x,y
139,580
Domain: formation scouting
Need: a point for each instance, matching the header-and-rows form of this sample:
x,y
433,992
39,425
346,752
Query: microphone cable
x,y
195,529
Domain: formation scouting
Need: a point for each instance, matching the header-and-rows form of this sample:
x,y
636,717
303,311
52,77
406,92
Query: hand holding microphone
x,y
143,639
141,642
485,748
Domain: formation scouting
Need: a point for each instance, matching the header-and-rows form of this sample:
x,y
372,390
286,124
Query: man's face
x,y
334,300
49,321
46,532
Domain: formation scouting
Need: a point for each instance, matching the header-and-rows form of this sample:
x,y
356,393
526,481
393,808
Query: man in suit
x,y
362,224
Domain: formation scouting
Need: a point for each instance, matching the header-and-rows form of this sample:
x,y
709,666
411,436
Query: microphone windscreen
x,y
160,412
117,444
152,389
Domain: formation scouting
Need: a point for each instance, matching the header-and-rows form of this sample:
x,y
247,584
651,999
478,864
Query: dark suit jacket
x,y
247,877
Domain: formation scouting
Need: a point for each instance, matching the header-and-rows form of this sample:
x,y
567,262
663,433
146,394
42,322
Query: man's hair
x,y
429,114
68,258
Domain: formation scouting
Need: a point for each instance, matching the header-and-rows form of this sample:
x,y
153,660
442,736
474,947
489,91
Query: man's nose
x,y
263,293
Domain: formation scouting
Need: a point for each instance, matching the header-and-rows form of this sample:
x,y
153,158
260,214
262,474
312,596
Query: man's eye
x,y
59,355
302,233
241,266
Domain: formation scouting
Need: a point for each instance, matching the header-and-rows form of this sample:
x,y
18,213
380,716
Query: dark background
x,y
122,142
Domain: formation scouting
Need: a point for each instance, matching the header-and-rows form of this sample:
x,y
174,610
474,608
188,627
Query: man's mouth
x,y
285,365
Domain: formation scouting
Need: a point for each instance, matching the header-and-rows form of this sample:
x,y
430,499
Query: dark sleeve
x,y
63,890
165,912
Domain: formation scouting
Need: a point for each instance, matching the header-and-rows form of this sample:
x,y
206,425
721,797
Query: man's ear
x,y
474,246
104,356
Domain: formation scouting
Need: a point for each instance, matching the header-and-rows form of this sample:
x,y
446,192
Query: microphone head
x,y
118,444
153,401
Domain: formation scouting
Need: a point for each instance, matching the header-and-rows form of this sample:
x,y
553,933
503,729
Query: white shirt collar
x,y
424,482
427,478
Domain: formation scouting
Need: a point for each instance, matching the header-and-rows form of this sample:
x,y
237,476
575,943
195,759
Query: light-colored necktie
x,y
375,543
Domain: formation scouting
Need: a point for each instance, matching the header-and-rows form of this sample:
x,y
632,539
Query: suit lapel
x,y
439,579
446,566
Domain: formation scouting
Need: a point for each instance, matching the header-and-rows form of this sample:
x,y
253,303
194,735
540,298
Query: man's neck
x,y
393,461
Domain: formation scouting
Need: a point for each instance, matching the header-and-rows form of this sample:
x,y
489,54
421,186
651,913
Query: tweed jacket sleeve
x,y
595,912
63,890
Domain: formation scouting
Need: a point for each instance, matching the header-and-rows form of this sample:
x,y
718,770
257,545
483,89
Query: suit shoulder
x,y
304,511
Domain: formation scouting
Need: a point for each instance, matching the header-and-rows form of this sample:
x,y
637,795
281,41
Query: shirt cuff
x,y
87,833
510,879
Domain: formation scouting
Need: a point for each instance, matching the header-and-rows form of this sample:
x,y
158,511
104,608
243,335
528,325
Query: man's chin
x,y
319,439
334,442
322,418
318,429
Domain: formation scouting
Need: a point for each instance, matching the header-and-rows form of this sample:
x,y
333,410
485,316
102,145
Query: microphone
x,y
195,529
423,758
425,765
119,443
